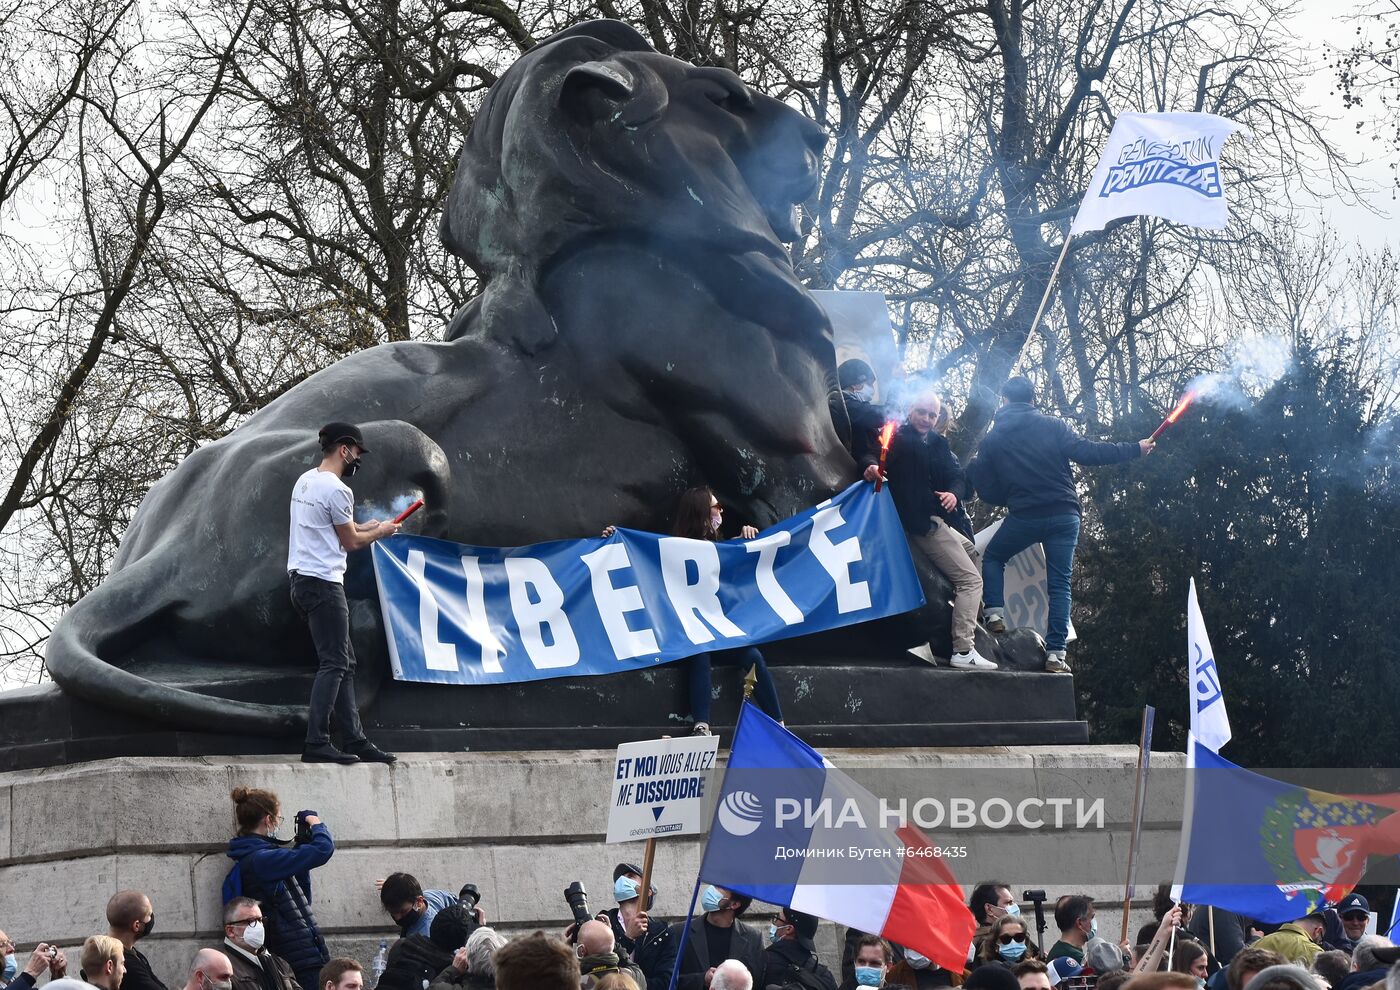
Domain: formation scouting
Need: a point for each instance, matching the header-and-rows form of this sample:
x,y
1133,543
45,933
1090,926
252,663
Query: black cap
x,y
334,434
1353,903
852,371
804,924
623,869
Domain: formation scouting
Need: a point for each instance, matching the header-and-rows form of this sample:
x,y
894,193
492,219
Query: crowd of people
x,y
271,940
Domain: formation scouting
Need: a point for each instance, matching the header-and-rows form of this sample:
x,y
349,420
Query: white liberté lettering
x,y
614,603
436,654
524,573
767,549
478,624
851,596
695,604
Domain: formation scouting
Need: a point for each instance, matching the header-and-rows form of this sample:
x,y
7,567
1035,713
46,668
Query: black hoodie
x,y
1024,462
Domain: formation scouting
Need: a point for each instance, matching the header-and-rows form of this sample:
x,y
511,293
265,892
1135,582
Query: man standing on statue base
x,y
323,531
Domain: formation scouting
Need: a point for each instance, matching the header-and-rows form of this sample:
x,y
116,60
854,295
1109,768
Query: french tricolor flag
x,y
791,829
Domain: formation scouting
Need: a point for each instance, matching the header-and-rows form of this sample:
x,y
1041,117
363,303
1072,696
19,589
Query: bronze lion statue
x,y
640,330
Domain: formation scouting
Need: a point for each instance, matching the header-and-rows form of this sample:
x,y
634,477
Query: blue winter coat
x,y
279,876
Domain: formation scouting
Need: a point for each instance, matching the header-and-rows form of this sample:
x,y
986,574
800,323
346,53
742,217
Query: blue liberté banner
x,y
456,614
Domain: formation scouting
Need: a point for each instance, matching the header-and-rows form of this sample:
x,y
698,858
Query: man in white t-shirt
x,y
323,531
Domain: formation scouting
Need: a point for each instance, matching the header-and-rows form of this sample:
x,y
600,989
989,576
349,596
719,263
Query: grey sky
x,y
1332,23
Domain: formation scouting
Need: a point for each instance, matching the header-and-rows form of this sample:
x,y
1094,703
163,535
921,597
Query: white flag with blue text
x,y
1210,724
1162,165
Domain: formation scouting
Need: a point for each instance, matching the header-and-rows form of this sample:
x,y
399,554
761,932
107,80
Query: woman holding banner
x,y
699,516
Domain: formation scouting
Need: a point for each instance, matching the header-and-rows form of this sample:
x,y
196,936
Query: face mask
x,y
1012,952
773,932
868,976
915,960
407,921
864,393
216,985
11,967
351,466
711,899
1094,928
1200,983
624,889
1014,910
147,928
716,520
255,935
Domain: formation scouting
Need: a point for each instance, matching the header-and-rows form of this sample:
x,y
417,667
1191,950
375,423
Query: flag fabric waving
x,y
1210,724
1272,850
791,829
1163,165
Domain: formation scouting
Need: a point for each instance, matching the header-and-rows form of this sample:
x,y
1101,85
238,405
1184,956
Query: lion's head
x,y
594,131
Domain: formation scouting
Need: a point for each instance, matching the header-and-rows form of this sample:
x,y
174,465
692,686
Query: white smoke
x,y
1256,364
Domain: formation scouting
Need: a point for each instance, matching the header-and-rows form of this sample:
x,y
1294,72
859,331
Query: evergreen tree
x,y
1287,512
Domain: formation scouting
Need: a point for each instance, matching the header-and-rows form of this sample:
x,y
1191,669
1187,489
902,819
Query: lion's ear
x,y
594,89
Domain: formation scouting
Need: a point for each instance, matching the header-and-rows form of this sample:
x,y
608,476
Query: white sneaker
x,y
923,653
972,660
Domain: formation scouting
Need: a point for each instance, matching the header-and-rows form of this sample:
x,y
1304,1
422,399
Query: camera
x,y
53,952
469,896
303,830
1033,895
577,899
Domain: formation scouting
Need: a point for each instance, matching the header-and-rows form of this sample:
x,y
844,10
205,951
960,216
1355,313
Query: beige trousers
x,y
956,558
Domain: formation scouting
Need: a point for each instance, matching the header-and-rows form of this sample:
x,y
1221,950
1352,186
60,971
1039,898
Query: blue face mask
x,y
1094,928
1012,952
868,976
624,889
11,967
773,931
1014,910
711,899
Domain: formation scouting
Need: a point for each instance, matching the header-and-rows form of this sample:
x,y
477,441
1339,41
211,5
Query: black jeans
x,y
322,604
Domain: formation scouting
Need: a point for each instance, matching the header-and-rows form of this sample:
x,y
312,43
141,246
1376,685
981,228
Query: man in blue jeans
x,y
1024,464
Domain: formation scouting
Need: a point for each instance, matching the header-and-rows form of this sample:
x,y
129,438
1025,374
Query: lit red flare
x,y
886,434
1174,415
414,507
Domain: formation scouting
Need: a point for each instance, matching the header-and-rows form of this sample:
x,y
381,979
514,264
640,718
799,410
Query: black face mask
x,y
407,921
351,466
147,927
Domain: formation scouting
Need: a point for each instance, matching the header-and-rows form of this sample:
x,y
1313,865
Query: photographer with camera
x,y
418,959
102,965
277,873
593,941
44,957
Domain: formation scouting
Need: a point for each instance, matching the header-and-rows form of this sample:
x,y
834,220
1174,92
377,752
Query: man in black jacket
x,y
791,959
714,937
1024,464
927,483
131,918
857,382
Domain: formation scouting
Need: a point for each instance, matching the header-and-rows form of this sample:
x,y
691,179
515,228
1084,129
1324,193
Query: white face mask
x,y
865,393
255,935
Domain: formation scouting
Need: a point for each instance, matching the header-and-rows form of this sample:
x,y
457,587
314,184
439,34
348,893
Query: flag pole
x,y
1049,286
1144,762
1210,919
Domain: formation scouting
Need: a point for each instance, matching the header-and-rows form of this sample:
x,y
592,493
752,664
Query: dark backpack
x,y
802,977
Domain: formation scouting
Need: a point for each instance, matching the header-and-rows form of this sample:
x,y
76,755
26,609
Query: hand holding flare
x,y
886,435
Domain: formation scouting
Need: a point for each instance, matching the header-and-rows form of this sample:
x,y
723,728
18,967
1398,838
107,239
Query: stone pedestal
x,y
521,825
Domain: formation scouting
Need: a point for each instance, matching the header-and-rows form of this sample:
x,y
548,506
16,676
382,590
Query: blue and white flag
x,y
456,614
1210,725
1162,165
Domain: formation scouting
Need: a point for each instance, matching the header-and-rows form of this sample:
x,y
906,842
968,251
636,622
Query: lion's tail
x,y
116,616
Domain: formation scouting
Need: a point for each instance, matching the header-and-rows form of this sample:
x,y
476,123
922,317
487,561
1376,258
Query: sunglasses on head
x,y
1008,939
